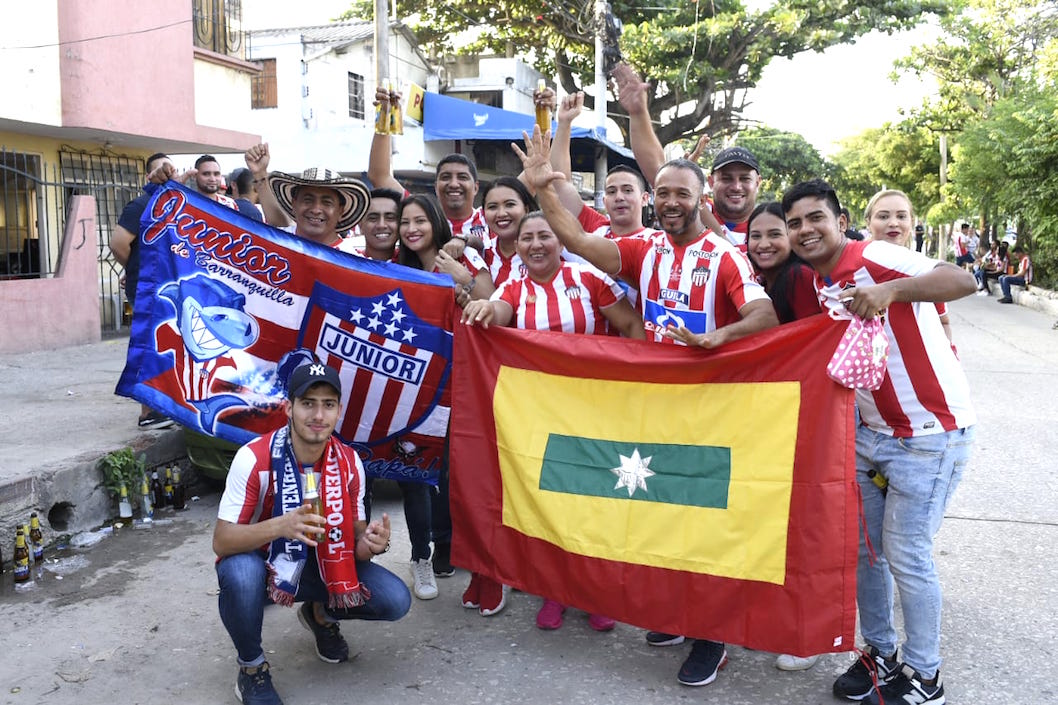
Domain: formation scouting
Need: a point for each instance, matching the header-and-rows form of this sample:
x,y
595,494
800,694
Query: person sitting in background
x,y
993,266
1023,277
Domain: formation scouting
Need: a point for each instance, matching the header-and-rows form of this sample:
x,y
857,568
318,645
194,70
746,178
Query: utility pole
x,y
600,102
381,43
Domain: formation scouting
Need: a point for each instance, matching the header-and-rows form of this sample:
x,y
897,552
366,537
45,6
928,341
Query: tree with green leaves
x,y
700,58
902,156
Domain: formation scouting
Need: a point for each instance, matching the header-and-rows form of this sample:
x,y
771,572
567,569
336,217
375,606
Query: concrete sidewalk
x,y
60,416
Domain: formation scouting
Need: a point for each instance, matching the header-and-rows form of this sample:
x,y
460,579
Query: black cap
x,y
313,373
736,155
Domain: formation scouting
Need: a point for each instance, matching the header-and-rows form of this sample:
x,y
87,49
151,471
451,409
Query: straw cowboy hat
x,y
354,195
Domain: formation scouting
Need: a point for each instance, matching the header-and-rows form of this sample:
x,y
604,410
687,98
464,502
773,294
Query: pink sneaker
x,y
600,623
550,615
472,595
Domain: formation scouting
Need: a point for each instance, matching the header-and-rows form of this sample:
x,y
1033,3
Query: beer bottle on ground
x,y
36,538
169,485
312,496
157,490
145,499
21,560
124,506
179,491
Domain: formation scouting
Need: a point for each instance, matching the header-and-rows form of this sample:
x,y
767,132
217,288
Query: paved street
x,y
134,620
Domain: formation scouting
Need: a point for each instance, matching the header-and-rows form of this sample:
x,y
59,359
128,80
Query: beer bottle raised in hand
x,y
543,112
396,115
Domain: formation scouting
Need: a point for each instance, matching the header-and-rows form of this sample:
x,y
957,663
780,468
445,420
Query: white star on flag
x,y
633,472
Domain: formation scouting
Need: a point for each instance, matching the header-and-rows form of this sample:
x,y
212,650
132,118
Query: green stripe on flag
x,y
653,472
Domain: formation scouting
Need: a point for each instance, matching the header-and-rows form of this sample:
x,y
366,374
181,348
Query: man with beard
x,y
694,287
209,180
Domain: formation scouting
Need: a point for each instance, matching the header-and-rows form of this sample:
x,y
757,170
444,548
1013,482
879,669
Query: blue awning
x,y
447,118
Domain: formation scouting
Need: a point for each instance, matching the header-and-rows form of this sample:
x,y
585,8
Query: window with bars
x,y
263,90
356,96
218,26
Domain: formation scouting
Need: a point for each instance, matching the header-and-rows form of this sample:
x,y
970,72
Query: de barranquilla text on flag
x,y
227,307
704,493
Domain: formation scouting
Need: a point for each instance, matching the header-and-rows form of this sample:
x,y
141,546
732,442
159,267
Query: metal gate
x,y
33,211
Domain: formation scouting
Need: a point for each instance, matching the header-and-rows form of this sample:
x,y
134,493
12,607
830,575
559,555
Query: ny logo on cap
x,y
317,370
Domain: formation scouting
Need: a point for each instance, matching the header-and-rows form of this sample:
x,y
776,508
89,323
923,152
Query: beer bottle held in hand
x,y
312,496
543,113
179,491
21,560
36,538
381,120
124,506
396,115
145,499
169,485
157,490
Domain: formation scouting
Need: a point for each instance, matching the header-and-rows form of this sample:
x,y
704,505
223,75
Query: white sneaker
x,y
786,662
425,587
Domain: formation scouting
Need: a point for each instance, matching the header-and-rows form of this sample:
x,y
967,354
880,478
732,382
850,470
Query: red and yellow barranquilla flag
x,y
705,493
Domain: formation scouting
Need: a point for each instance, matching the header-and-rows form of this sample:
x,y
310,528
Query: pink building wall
x,y
128,80
44,314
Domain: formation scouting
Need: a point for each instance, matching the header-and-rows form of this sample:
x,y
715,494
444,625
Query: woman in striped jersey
x,y
558,296
504,202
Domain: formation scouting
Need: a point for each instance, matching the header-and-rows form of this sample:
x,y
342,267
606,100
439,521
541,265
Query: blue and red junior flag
x,y
704,493
226,307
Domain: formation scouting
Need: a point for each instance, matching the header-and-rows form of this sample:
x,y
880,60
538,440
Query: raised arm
x,y
380,158
632,95
257,158
537,171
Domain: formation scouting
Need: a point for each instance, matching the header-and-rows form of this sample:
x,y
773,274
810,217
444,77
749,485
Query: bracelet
x,y
469,287
384,550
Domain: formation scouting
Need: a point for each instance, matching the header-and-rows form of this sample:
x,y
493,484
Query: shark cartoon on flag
x,y
227,306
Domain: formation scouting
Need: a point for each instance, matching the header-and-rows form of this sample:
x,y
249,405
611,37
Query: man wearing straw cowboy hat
x,y
321,203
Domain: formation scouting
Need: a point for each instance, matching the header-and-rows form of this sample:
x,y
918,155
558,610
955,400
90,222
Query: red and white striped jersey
x,y
248,494
571,302
701,285
501,268
473,225
925,390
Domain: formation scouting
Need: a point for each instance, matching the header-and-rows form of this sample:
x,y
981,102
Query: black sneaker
x,y
858,682
253,686
442,560
154,421
663,639
330,644
705,661
906,686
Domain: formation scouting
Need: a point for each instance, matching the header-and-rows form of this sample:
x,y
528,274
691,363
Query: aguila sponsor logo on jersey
x,y
573,292
674,295
392,363
699,276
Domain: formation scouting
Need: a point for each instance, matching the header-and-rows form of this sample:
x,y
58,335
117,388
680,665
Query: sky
x,y
788,97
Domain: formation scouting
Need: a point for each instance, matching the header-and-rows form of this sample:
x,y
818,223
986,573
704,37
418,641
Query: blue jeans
x,y
923,472
1007,280
242,598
